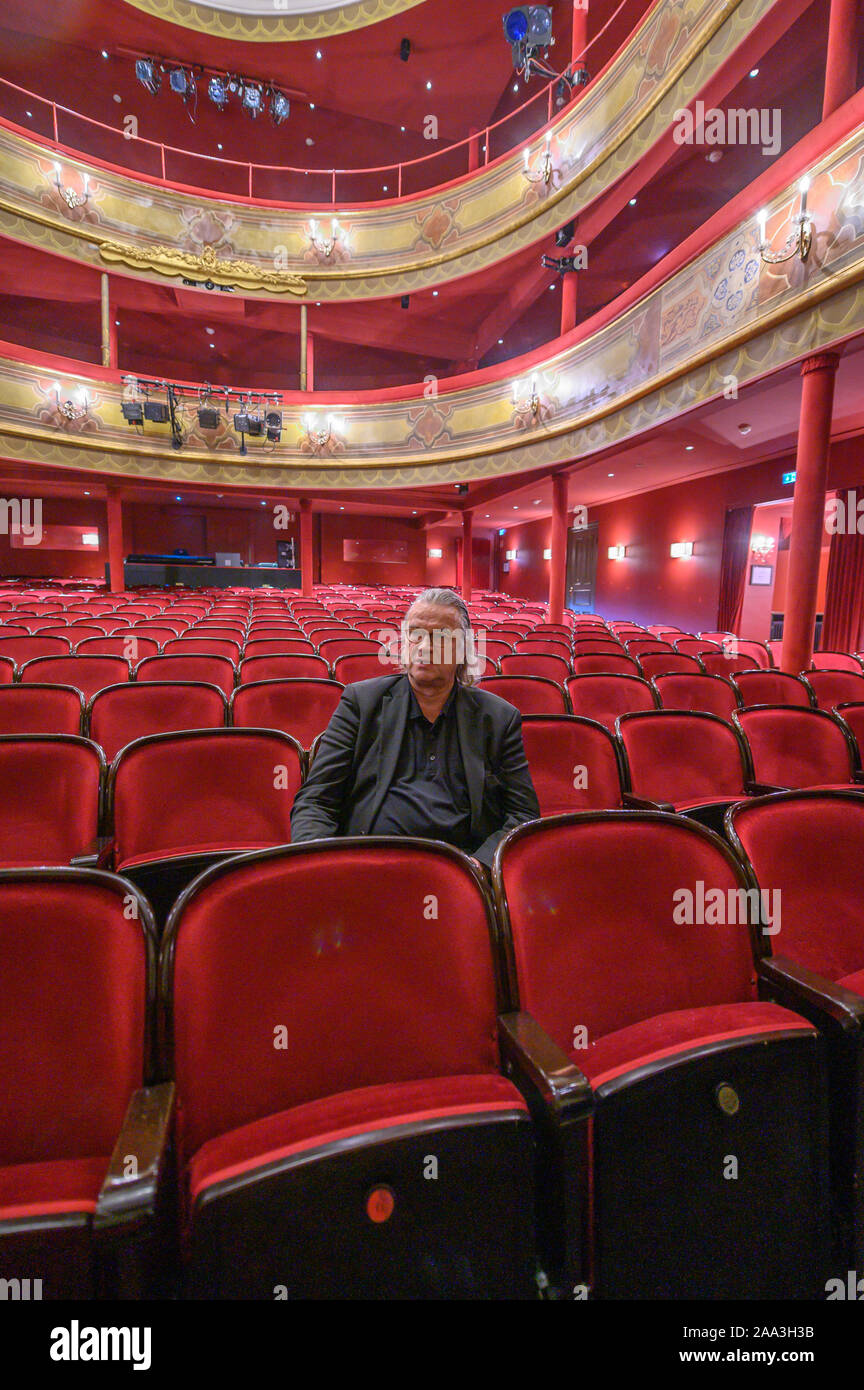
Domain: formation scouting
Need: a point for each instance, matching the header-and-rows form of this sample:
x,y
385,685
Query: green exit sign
x,y
788,479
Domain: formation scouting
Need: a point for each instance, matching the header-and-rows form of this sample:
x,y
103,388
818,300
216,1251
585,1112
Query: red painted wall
x,y
528,577
335,570
57,564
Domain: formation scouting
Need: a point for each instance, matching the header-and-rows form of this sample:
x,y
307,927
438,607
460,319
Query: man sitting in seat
x,y
421,752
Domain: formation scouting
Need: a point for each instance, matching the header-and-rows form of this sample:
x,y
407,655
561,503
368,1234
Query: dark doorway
x,y
581,581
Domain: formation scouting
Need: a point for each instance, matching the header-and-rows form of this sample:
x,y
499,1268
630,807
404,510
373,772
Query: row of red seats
x,y
378,1084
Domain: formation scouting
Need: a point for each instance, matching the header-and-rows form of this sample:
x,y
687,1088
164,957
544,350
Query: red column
x,y
306,546
467,554
310,362
568,302
841,64
115,541
558,562
473,149
580,29
808,509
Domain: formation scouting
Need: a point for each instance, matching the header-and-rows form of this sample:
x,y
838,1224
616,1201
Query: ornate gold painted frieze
x,y
396,248
725,318
278,26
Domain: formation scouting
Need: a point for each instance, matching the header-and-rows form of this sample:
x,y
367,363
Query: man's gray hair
x,y
470,670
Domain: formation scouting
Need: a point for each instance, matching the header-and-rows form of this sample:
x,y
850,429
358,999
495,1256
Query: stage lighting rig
x,y
565,265
528,30
565,234
217,90
251,99
148,74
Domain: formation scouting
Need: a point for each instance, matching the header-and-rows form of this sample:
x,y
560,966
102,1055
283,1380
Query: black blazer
x,y
357,755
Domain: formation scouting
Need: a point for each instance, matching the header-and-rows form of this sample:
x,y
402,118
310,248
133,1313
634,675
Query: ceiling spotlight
x,y
241,422
318,54
252,99
217,90
273,421
180,83
148,75
104,53
428,86
565,234
208,417
254,425
405,50
133,412
157,412
280,107
754,72
632,202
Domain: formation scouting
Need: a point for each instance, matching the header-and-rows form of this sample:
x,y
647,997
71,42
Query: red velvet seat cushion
x,y
855,982
710,801
228,848
321,1122
44,1189
665,1035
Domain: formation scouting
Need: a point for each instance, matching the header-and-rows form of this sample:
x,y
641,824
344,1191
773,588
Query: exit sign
x,y
788,479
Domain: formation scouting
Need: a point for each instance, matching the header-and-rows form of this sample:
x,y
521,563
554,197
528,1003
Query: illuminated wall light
x,y
547,554
435,554
617,552
681,550
90,538
510,555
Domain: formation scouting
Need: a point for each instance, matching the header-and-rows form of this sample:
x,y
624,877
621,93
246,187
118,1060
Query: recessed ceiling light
x,y
754,72
428,86
211,331
117,97
413,513
178,499
30,114
341,509
500,342
311,106
212,345
552,286
689,447
487,516
218,147
86,494
309,140
220,495
435,294
610,475
264,504
318,53
402,128
515,86
536,501
714,157
515,508
116,323
104,53
632,202
744,428
384,187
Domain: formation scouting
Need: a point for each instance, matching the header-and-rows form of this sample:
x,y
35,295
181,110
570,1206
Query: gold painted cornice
x,y
167,260
725,317
397,248
274,28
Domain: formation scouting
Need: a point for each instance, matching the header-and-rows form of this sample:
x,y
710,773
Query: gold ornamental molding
x,y
389,249
167,260
277,27
723,320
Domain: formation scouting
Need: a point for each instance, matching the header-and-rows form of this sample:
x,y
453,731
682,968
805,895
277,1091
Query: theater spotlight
x,y
148,75
565,234
274,426
528,27
251,100
181,82
208,417
133,412
280,107
241,422
217,90
254,425
157,412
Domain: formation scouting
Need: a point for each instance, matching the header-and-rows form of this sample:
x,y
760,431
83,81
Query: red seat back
x,y
133,647
277,646
203,791
302,707
682,757
22,649
188,645
712,694
327,957
7,670
611,663
771,688
86,673
603,697
554,668
723,664
796,747
333,647
211,670
51,798
853,718
363,668
529,694
810,847
836,661
40,709
77,971
831,688
660,663
606,950
123,713
574,763
286,667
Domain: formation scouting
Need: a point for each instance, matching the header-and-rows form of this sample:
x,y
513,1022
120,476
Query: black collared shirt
x,y
428,796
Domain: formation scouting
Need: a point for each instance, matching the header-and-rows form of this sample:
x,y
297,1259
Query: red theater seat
x,y
122,713
308,1123
23,649
553,668
726,664
793,747
50,806
837,661
363,668
627,1010
192,645
86,673
690,762
805,852
78,975
302,707
133,647
835,687
852,716
603,697
211,670
178,802
610,663
40,709
712,694
7,670
772,688
661,663
277,646
528,694
575,763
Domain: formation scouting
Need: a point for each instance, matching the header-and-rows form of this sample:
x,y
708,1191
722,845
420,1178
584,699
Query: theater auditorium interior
x,y
400,899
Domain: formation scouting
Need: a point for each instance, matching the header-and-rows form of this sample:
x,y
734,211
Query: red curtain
x,y
843,628
733,572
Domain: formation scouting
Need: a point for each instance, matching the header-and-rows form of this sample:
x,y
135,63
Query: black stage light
x,y
217,90
157,411
580,77
148,74
462,488
251,99
133,411
405,50
255,425
280,108
208,417
241,422
565,234
274,419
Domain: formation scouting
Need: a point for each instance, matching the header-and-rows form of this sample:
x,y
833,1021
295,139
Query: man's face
x,y
435,647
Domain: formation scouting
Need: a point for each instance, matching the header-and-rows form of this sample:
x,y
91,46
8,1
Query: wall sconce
x,y
510,555
320,439
681,550
526,405
325,246
69,409
545,172
798,242
617,552
761,547
434,554
90,538
70,197
547,554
